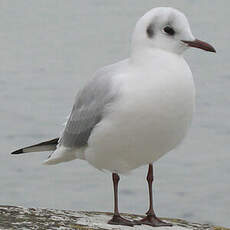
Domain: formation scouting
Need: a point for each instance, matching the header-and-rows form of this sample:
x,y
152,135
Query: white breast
x,y
150,118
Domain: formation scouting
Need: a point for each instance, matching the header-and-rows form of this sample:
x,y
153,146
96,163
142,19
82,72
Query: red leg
x,y
151,218
117,219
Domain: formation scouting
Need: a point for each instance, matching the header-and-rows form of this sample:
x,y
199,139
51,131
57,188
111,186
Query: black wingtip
x,y
19,151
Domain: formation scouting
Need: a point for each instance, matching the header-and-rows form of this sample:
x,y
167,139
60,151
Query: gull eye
x,y
169,30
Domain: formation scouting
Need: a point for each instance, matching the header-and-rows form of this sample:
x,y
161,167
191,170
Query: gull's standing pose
x,y
133,112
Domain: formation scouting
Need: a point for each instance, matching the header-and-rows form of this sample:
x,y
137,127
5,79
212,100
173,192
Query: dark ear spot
x,y
150,31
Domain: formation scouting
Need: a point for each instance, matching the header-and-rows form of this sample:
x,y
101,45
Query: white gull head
x,y
166,29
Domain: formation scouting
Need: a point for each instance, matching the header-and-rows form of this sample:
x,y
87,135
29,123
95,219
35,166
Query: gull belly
x,y
150,117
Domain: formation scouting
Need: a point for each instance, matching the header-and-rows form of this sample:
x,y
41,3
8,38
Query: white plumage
x,y
133,112
153,103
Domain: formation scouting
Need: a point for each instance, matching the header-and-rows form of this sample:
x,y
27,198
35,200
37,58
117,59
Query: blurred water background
x,y
49,49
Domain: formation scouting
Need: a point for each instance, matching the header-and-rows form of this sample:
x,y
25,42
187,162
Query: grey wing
x,y
88,110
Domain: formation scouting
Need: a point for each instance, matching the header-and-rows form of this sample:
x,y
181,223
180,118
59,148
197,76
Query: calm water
x,y
48,49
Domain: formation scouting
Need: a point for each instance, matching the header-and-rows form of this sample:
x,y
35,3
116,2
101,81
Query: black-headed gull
x,y
134,111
